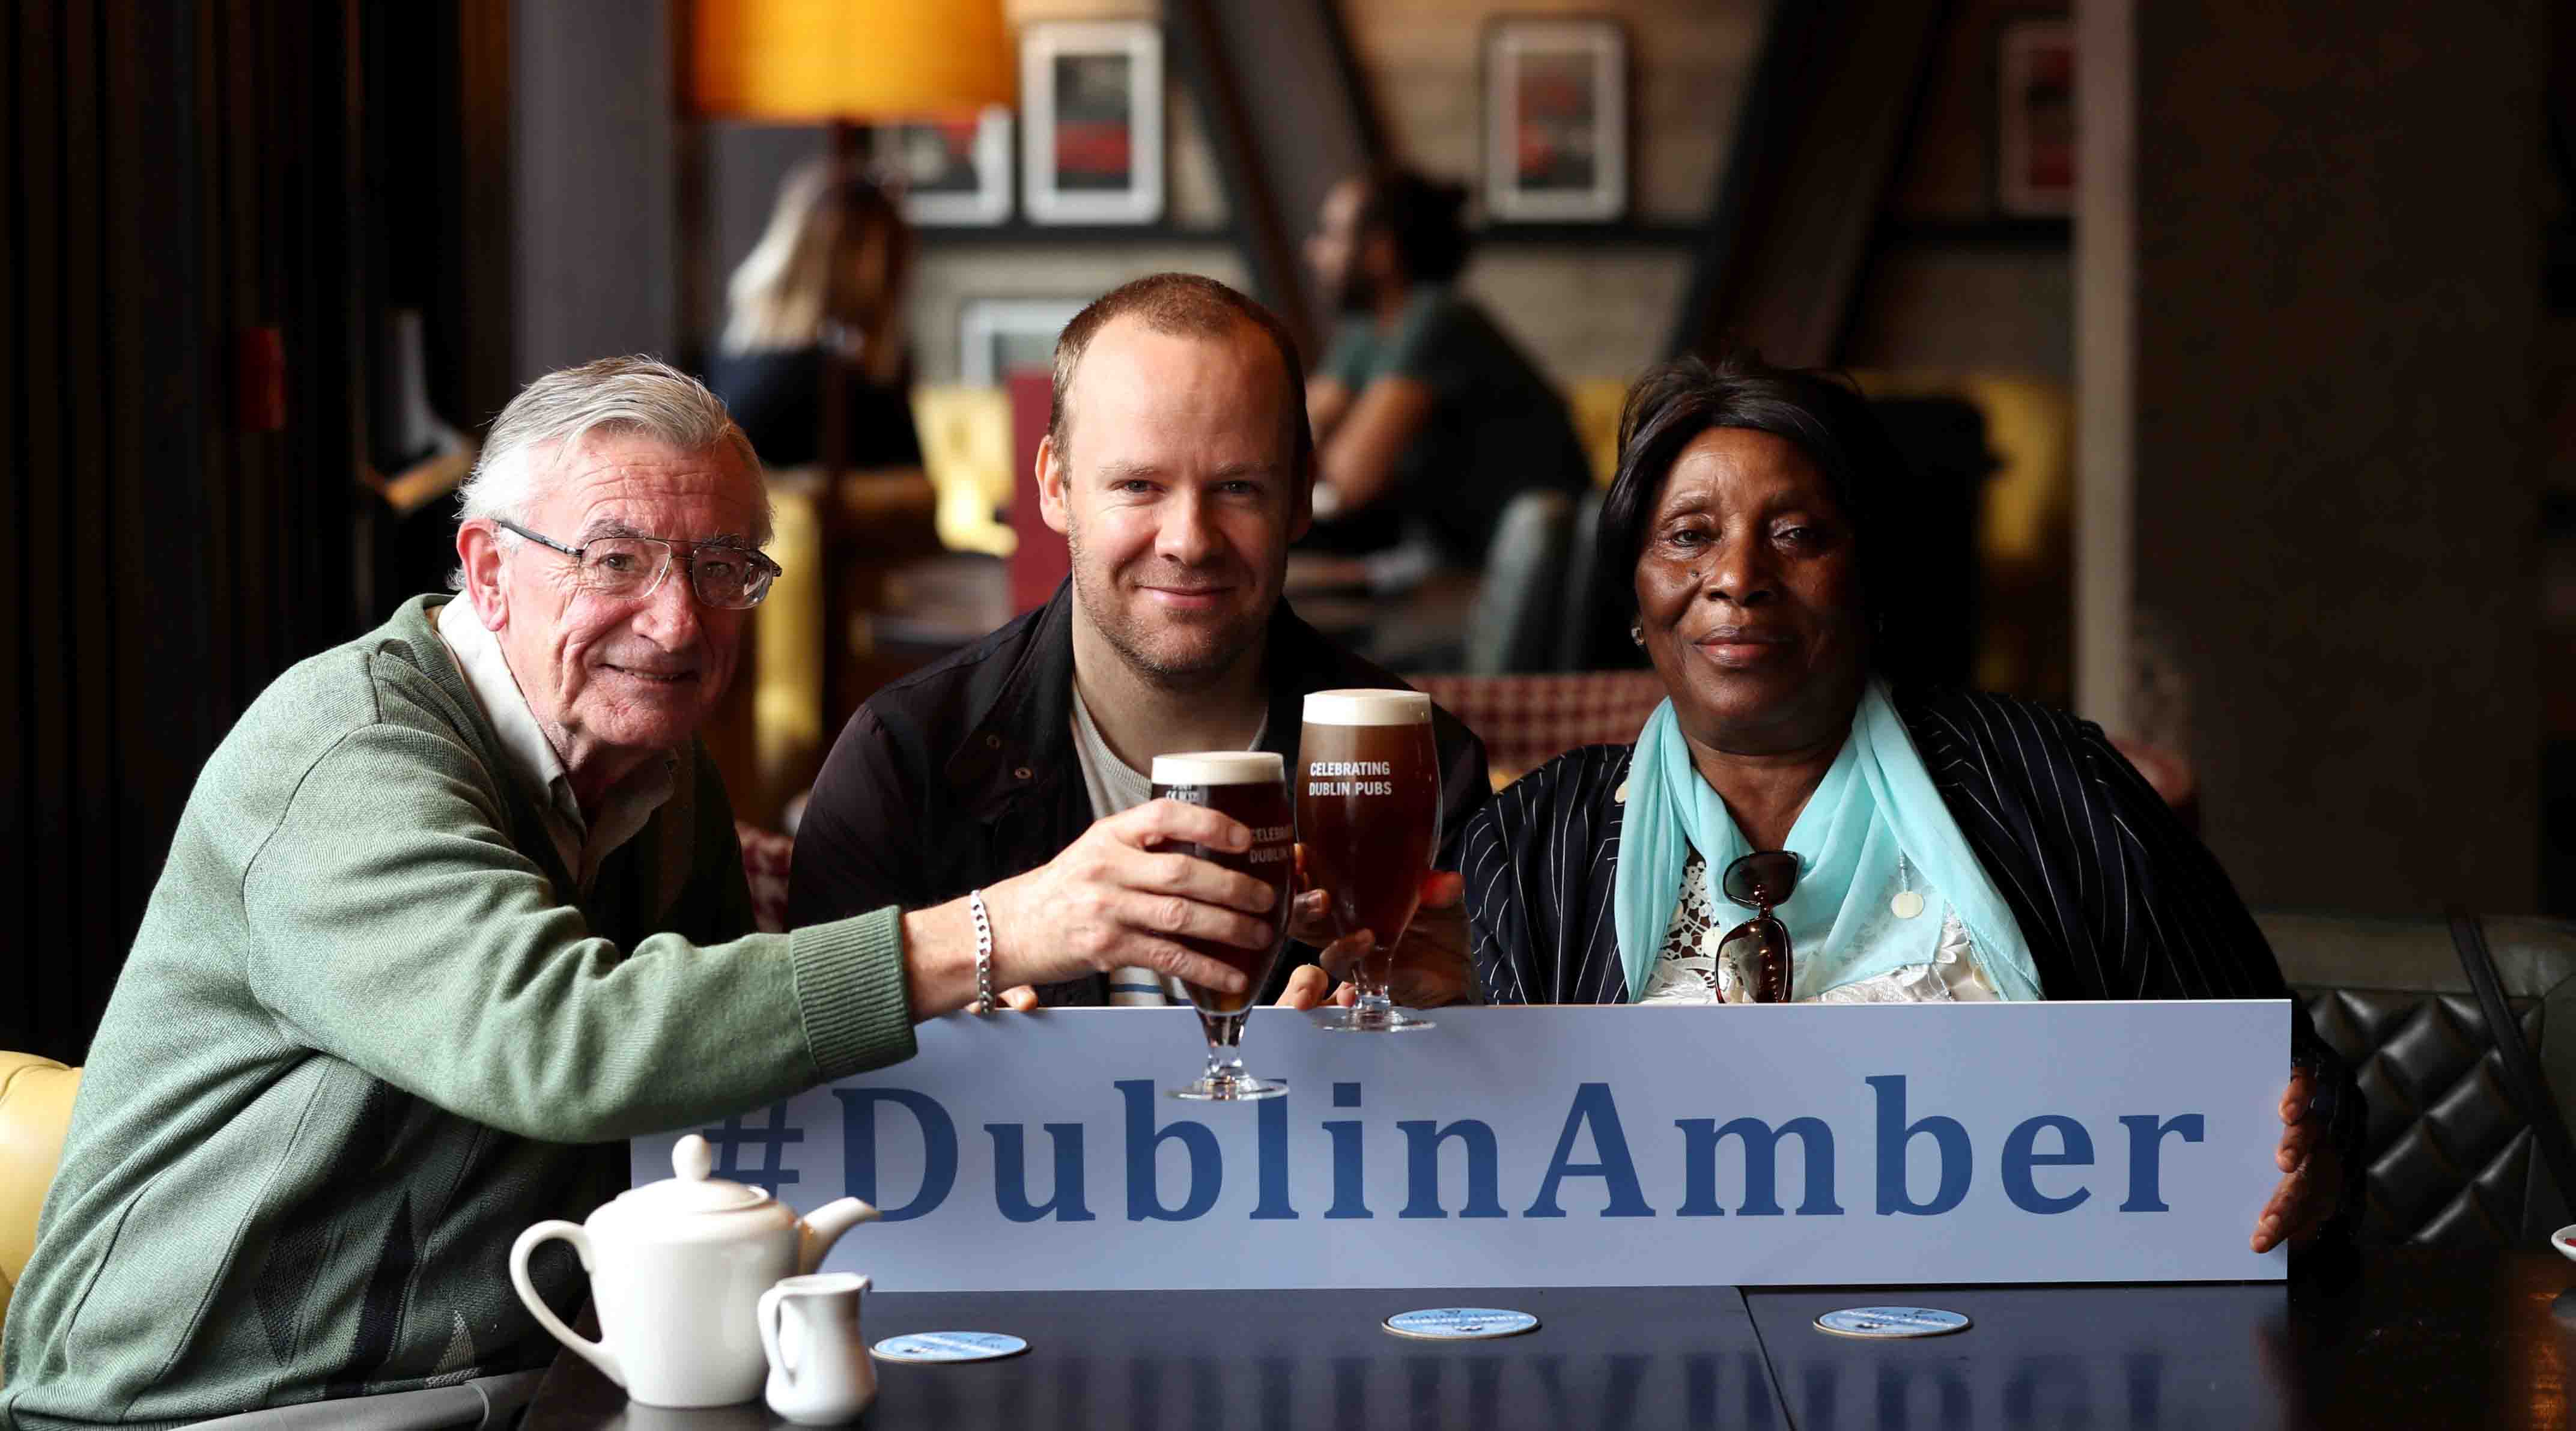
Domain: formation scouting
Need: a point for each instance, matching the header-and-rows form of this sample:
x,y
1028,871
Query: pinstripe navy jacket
x,y
2115,898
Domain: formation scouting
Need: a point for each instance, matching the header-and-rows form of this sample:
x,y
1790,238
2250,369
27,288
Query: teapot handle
x,y
591,1351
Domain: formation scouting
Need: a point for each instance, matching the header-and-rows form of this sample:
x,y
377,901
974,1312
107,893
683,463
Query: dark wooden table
x,y
2418,1339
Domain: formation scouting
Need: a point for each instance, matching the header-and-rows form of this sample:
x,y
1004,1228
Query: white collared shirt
x,y
534,761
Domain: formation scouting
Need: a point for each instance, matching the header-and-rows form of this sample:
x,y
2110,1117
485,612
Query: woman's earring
x,y
1637,632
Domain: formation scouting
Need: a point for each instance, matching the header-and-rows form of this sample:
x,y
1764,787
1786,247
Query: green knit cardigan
x,y
365,1037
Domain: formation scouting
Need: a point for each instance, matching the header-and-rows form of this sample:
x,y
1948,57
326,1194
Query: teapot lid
x,y
691,1189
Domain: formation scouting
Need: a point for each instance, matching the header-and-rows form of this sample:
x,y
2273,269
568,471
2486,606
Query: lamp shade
x,y
817,60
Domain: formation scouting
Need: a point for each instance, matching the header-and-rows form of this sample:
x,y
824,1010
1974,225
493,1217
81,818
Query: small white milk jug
x,y
820,1373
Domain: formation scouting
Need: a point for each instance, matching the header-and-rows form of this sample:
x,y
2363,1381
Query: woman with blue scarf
x,y
1928,845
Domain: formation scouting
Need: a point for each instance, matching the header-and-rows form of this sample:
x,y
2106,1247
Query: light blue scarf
x,y
1875,802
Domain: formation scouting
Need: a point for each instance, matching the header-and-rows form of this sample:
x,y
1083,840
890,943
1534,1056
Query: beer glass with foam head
x,y
1368,811
1251,786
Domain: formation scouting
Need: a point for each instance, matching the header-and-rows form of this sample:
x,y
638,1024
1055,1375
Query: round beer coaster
x,y
1453,1324
950,1346
1892,1322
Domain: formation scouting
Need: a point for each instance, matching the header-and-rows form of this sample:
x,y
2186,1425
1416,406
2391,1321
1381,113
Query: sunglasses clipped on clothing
x,y
1762,880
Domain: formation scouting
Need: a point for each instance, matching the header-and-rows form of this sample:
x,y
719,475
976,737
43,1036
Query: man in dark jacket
x,y
1179,466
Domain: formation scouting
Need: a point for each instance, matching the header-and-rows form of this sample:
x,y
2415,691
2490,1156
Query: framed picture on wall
x,y
953,172
999,336
1091,122
2035,118
1556,120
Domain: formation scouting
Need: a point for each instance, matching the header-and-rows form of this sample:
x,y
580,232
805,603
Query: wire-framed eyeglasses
x,y
728,577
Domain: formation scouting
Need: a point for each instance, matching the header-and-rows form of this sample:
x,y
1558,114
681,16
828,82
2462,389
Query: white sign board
x,y
1877,1144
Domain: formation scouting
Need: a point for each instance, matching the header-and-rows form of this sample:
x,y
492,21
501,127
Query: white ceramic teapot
x,y
676,1272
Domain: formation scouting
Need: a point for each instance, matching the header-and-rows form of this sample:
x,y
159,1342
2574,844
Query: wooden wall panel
x,y
2337,242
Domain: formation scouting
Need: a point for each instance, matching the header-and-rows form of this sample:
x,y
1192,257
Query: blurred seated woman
x,y
826,278
1942,844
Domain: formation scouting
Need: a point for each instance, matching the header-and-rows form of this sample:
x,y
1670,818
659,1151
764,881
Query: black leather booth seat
x,y
2453,1161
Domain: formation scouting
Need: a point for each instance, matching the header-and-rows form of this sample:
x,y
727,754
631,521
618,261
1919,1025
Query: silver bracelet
x,y
983,953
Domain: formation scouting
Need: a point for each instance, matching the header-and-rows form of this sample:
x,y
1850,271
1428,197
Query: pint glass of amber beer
x,y
1250,786
1368,810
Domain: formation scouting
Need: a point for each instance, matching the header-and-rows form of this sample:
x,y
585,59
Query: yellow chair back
x,y
966,454
35,1113
1594,404
788,644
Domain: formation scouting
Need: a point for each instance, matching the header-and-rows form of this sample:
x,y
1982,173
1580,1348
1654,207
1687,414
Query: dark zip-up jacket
x,y
964,774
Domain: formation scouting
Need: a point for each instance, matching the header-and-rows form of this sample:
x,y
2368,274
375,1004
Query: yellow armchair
x,y
966,453
35,1113
787,666
1595,404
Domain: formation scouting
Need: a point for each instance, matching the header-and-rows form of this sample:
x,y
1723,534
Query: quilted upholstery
x,y
2451,1160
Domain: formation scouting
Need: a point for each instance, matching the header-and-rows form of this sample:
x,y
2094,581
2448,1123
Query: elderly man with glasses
x,y
455,907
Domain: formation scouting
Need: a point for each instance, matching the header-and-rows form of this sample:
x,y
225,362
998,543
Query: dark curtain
x,y
180,349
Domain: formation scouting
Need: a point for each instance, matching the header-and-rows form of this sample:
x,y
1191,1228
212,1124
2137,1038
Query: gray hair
x,y
558,411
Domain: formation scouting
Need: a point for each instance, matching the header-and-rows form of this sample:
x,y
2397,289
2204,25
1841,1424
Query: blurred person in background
x,y
825,280
1428,418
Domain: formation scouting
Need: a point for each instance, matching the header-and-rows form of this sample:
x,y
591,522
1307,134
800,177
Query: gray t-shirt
x,y
1116,787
